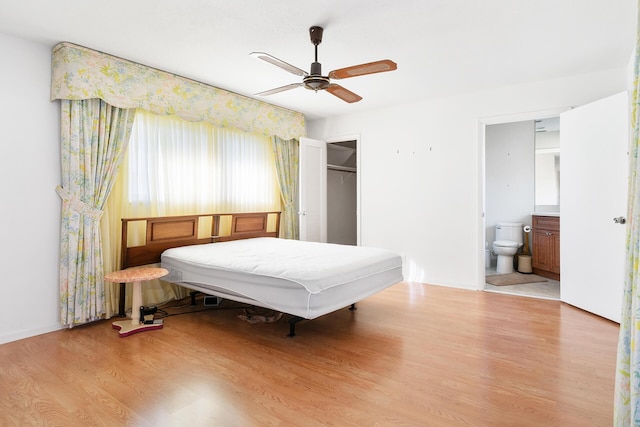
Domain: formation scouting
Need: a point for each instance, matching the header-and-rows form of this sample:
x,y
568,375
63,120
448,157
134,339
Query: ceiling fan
x,y
314,80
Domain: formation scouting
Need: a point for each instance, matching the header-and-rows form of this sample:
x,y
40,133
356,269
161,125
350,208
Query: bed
x,y
245,261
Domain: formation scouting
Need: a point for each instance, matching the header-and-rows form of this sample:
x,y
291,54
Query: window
x,y
182,167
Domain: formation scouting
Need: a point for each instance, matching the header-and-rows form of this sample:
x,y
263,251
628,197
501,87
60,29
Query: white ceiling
x,y
442,47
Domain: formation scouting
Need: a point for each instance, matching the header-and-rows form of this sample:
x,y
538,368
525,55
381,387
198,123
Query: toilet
x,y
508,240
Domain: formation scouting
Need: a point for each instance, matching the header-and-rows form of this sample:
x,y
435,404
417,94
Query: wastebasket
x,y
524,264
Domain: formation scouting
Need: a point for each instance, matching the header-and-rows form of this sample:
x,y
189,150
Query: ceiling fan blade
x,y
279,89
279,63
363,69
342,93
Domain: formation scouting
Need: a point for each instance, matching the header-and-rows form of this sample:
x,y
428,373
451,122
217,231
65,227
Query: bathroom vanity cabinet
x,y
546,246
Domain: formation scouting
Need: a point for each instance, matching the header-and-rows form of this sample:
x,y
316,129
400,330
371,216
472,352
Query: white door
x,y
313,190
593,191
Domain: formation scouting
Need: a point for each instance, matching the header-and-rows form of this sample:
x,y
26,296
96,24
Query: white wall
x,y
421,163
509,172
29,173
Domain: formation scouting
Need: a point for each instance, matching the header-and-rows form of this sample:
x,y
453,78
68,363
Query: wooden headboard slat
x,y
244,224
164,230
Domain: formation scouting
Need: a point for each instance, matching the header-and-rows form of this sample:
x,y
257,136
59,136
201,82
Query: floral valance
x,y
82,73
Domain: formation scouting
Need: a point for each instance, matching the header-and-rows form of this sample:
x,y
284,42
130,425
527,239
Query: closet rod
x,y
341,168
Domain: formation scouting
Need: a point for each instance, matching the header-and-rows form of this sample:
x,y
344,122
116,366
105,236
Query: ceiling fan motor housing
x,y
315,80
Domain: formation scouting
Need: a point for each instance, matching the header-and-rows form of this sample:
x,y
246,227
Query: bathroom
x,y
522,169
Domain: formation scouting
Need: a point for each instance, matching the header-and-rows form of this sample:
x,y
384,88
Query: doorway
x,y
342,192
510,187
595,140
313,195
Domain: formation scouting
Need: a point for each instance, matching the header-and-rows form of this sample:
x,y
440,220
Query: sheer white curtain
x,y
175,167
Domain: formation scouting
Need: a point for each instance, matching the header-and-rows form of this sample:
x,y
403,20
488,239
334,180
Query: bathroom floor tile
x,y
546,290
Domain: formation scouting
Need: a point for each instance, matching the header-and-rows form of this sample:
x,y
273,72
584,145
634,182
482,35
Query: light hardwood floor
x,y
414,355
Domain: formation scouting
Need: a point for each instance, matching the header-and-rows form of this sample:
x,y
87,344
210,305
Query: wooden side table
x,y
135,275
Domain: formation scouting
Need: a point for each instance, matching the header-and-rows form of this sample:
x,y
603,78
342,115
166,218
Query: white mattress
x,y
306,279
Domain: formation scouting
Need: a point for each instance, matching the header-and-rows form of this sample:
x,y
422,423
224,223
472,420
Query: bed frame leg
x,y
121,309
292,325
193,297
353,307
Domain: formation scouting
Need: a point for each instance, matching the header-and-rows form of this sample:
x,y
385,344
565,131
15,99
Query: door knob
x,y
620,220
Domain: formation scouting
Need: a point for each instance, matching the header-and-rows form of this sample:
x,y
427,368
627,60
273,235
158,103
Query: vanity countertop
x,y
545,214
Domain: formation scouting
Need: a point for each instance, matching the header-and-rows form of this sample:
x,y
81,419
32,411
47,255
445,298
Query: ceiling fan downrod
x,y
315,80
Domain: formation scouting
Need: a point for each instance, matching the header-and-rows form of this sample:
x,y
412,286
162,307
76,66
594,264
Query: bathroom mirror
x,y
547,164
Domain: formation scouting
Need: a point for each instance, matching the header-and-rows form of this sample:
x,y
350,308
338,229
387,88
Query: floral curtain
x,y
94,136
286,154
81,73
627,388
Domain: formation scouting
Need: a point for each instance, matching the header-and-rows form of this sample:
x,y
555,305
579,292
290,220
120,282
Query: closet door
x,y
313,190
593,192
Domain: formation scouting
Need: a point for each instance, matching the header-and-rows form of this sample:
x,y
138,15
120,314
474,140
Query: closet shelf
x,y
341,168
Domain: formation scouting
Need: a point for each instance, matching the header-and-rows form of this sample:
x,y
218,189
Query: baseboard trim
x,y
16,336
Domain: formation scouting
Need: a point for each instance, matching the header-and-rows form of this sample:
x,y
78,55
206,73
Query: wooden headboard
x,y
161,233
149,237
